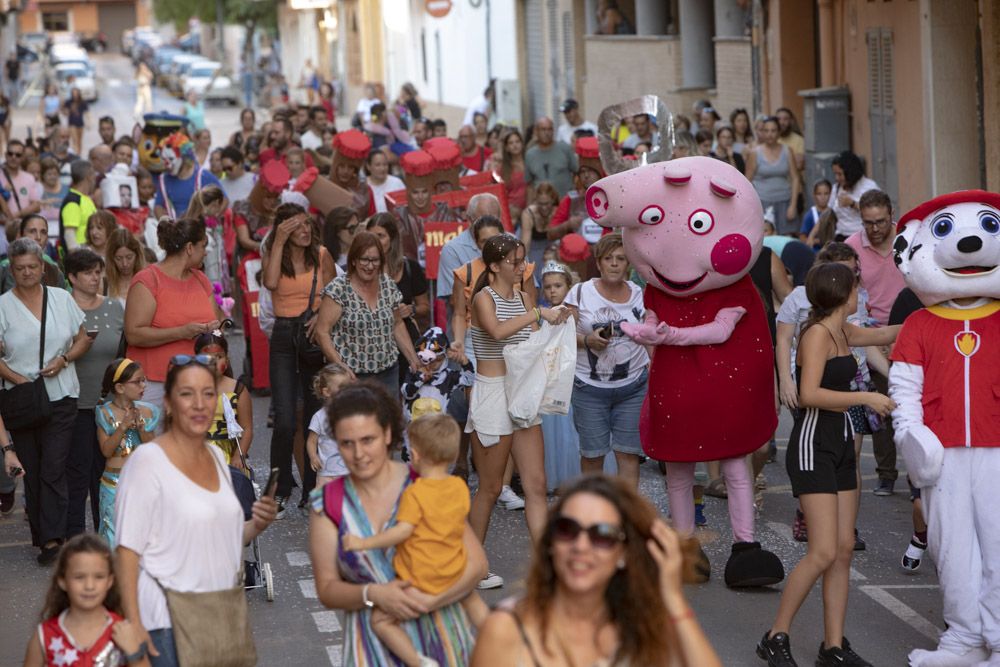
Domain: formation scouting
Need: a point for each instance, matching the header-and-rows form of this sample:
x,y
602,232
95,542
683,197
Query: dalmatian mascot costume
x,y
692,228
945,380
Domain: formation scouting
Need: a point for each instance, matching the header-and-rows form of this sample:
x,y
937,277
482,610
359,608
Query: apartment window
x,y
55,21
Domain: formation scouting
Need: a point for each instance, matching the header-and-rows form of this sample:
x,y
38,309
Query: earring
x,y
621,564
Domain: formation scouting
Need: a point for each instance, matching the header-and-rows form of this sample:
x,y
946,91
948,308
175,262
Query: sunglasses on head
x,y
206,360
601,535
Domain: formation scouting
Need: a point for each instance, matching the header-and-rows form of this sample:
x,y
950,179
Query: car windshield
x,y
65,73
202,71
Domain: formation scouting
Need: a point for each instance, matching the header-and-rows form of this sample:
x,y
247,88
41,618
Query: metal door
x,y
882,111
113,20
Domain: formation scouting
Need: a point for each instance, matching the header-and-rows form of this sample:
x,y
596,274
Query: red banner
x,y
436,234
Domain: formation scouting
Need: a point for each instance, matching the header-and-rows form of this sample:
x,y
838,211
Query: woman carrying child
x,y
82,619
124,422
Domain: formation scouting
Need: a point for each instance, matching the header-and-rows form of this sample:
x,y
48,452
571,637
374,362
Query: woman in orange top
x,y
170,303
296,268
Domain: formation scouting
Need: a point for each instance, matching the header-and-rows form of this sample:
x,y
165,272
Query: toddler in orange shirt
x,y
430,524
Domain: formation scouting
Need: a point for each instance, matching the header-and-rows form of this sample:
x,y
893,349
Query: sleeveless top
x,y
536,233
488,348
61,649
838,373
771,178
107,421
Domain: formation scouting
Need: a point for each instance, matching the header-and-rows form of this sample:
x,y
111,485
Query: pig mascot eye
x,y
942,227
701,222
651,215
989,222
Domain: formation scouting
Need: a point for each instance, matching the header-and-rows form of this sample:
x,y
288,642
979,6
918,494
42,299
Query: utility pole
x,y
219,24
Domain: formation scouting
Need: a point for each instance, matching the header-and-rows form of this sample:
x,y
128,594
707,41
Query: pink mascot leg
x,y
680,482
740,488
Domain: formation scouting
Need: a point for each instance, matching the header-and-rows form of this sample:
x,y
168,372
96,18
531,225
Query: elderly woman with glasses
x,y
177,512
360,324
43,447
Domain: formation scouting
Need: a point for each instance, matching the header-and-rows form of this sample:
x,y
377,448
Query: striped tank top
x,y
488,348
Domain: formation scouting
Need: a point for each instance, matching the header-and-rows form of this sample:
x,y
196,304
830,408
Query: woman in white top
x,y
380,180
178,520
611,369
44,448
850,184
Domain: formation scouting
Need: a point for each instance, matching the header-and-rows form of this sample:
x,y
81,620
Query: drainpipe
x,y
827,71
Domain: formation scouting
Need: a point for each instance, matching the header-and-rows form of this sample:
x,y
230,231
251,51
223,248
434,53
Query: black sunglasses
x,y
10,154
206,360
601,535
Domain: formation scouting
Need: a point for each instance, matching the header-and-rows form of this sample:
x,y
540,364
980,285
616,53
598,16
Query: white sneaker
x,y
428,662
510,500
491,580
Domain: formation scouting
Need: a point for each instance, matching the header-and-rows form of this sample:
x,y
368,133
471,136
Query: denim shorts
x,y
607,418
163,641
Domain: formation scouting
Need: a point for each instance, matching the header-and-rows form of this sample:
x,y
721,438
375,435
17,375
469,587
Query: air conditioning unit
x,y
508,101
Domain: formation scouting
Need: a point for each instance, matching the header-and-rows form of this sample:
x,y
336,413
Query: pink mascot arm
x,y
717,331
921,448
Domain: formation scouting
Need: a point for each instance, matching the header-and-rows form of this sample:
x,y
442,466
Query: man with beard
x,y
420,177
475,158
106,128
281,140
25,193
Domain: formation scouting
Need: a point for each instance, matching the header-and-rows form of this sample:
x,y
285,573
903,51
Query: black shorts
x,y
820,456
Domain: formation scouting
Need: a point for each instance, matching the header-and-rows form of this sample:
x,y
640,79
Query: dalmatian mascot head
x,y
949,247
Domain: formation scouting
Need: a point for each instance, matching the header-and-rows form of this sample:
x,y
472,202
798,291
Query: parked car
x,y
95,42
178,69
191,42
75,75
211,82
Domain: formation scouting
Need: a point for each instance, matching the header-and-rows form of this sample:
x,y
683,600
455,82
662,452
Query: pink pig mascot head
x,y
689,225
693,228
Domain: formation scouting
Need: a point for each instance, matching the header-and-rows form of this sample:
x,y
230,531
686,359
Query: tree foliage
x,y
260,13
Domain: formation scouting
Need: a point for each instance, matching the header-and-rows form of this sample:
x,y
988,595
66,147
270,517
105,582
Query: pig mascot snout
x,y
692,228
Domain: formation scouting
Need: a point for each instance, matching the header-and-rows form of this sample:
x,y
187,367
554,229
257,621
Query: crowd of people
x,y
116,309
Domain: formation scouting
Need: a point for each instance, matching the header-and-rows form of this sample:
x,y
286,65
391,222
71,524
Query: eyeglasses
x,y
205,360
601,535
369,261
881,222
351,228
10,154
516,262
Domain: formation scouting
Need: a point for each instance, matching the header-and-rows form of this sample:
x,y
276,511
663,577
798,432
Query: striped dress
x,y
444,635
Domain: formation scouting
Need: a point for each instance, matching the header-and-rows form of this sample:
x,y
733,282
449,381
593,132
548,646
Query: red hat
x,y
446,153
352,144
588,155
274,176
417,163
938,203
573,248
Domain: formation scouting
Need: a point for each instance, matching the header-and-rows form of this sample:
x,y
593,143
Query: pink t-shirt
x,y
26,188
879,276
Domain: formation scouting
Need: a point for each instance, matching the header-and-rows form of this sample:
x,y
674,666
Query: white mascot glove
x,y
921,448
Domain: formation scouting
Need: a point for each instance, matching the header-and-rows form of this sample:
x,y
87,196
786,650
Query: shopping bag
x,y
540,373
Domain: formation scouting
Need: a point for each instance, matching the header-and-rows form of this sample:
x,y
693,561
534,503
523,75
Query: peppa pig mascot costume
x,y
692,228
945,379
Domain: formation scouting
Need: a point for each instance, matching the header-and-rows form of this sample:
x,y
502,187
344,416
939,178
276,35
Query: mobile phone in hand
x,y
15,471
92,333
272,482
605,332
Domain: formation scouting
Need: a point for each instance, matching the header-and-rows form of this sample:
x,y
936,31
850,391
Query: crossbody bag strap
x,y
312,290
13,188
166,198
45,316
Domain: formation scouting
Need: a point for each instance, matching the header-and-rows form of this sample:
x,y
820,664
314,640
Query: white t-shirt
x,y
188,538
623,360
795,310
238,189
392,183
849,218
326,446
565,133
310,140
19,331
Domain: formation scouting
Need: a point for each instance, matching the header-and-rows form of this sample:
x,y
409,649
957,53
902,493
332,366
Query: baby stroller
x,y
257,574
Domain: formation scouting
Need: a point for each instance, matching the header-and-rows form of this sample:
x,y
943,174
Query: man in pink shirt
x,y
25,193
883,282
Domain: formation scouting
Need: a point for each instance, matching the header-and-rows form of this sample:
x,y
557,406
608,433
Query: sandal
x,y
717,488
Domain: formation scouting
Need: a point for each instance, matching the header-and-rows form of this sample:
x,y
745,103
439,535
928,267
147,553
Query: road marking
x,y
114,83
308,588
336,657
901,610
6,545
326,621
297,558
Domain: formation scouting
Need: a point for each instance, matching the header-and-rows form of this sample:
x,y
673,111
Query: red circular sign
x,y
438,8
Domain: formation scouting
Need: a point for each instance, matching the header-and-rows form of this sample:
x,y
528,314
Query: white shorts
x,y
488,416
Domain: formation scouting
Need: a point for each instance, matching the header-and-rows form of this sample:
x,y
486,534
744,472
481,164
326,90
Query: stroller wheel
x,y
268,581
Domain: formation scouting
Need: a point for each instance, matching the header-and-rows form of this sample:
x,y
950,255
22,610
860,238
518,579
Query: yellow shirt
x,y
434,557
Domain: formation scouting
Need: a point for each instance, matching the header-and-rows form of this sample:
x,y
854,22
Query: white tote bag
x,y
540,373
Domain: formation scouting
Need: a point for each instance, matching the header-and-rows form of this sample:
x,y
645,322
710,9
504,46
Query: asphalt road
x,y
890,612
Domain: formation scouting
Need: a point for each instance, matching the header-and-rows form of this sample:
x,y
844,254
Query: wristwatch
x,y
139,654
6,448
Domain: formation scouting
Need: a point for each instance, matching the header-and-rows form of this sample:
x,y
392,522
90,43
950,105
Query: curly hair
x,y
632,596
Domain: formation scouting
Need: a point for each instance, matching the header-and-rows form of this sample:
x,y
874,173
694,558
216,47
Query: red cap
x,y
586,147
938,203
417,163
573,248
274,176
446,153
352,144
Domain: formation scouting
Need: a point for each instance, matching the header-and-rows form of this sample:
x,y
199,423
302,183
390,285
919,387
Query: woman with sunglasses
x,y
180,481
367,425
503,315
296,268
339,228
605,569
